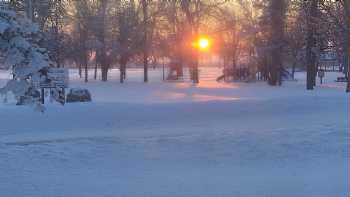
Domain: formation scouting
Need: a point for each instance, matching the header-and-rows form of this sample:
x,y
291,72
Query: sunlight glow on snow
x,y
193,97
208,85
207,98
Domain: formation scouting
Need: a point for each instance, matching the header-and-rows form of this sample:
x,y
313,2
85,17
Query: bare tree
x,y
82,15
129,36
277,11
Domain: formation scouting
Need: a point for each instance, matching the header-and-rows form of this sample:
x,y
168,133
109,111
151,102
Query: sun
x,y
203,43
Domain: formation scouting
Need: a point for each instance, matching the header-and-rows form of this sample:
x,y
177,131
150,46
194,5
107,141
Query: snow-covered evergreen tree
x,y
21,52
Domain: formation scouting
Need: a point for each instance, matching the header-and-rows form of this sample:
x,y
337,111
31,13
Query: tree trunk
x,y
193,21
347,74
104,73
195,24
95,71
80,70
310,46
234,58
278,11
347,12
145,47
96,65
101,37
104,65
83,54
123,62
195,63
86,72
293,69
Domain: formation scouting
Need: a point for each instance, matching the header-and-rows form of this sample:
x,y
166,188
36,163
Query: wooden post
x,y
43,96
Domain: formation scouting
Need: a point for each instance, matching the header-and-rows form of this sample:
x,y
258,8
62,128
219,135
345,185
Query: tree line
x,y
268,35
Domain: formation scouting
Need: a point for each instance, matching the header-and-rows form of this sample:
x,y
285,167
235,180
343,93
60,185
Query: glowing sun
x,y
203,43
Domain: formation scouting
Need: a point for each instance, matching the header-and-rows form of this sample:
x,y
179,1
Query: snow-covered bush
x,y
20,51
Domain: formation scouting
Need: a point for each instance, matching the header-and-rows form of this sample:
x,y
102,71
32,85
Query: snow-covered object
x,y
78,95
20,48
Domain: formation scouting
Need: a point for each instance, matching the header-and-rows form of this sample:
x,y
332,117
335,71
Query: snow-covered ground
x,y
177,139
